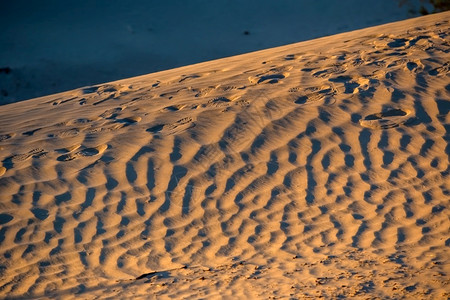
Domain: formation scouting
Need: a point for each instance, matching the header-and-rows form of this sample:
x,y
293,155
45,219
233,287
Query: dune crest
x,y
314,169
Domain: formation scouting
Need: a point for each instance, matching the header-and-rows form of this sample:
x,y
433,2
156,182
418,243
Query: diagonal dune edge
x,y
317,169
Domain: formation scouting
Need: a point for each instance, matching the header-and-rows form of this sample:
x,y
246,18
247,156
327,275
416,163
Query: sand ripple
x,y
314,169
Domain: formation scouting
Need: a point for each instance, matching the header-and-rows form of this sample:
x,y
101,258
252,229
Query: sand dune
x,y
314,169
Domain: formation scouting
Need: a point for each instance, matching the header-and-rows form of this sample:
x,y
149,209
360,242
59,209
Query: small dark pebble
x,y
6,70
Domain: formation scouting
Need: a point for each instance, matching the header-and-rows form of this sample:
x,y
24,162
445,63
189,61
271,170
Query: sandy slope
x,y
314,169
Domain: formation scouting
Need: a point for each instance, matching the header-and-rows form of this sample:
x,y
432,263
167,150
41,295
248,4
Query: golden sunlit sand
x,y
313,169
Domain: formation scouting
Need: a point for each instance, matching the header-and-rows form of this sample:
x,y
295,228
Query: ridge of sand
x,y
314,169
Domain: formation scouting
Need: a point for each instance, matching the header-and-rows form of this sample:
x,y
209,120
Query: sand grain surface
x,y
314,169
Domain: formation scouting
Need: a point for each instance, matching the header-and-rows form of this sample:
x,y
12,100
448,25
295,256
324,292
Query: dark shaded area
x,y
349,85
272,164
367,286
437,209
426,147
443,106
349,160
325,161
401,237
156,274
78,237
388,158
316,146
301,100
357,216
410,288
122,202
230,184
125,221
100,227
31,132
397,43
5,70
111,183
5,218
358,234
150,175
130,172
178,172
187,198
19,235
271,78
156,128
58,224
176,151
364,139
140,208
40,213
404,141
62,198
387,113
58,248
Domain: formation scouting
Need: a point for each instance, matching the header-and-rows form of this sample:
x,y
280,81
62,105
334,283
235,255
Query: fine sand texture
x,y
317,169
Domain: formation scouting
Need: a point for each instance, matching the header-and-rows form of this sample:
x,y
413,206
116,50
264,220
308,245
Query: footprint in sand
x,y
414,66
106,88
313,95
351,84
227,88
60,101
107,91
173,107
112,113
388,119
293,56
130,120
329,71
79,121
177,127
170,94
217,103
69,149
189,91
66,133
7,136
204,91
31,132
82,153
272,76
196,75
441,71
18,158
114,120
